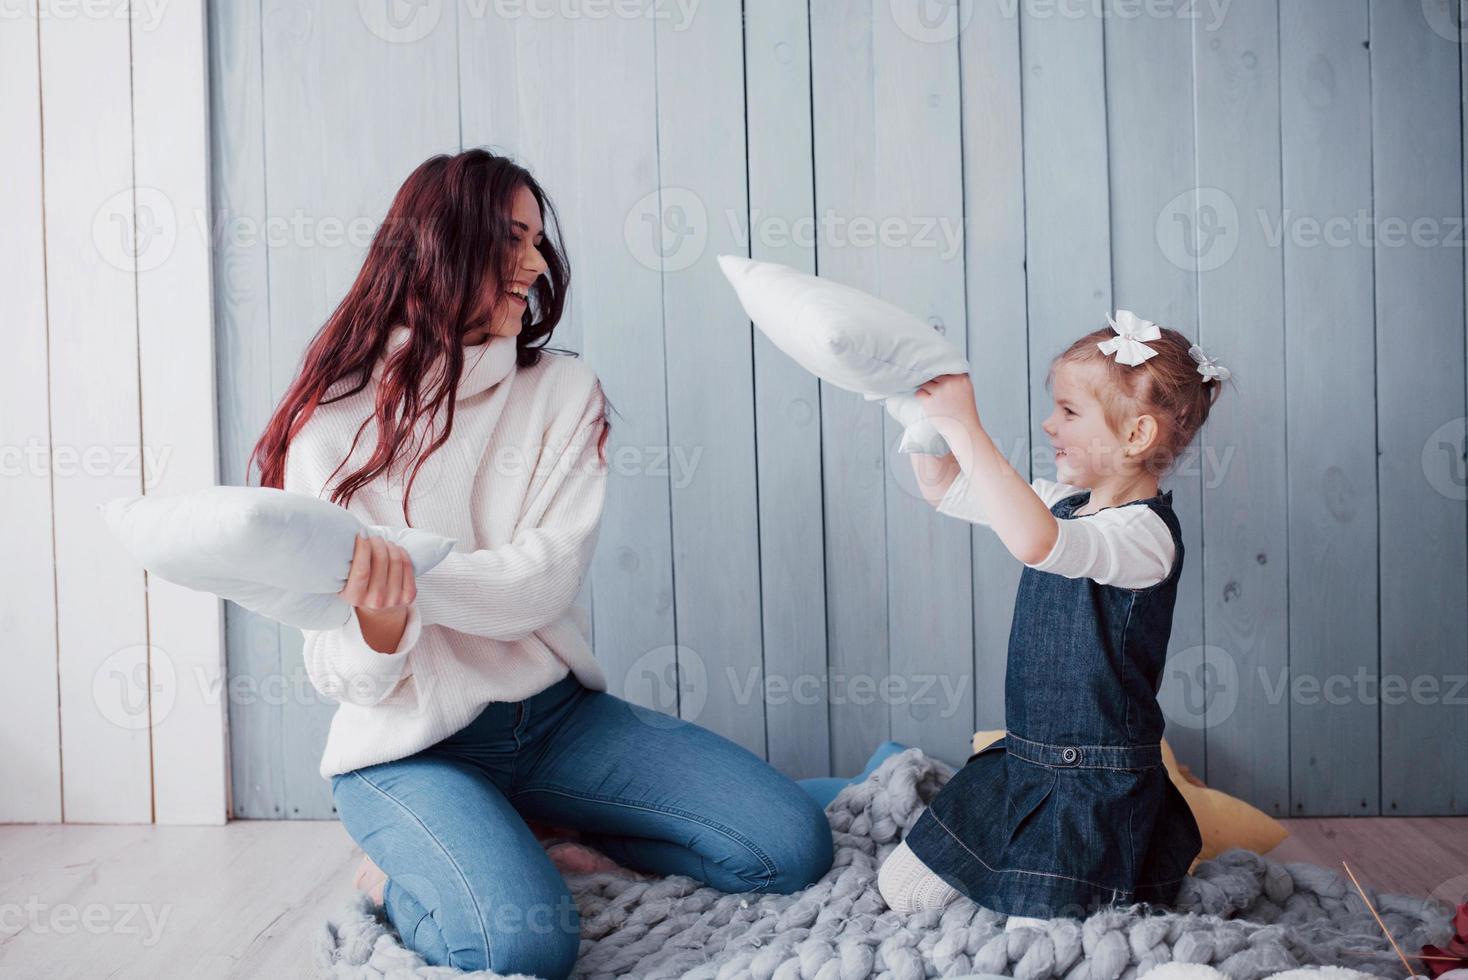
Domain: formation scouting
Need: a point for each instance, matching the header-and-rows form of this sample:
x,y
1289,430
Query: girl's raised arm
x,y
1012,508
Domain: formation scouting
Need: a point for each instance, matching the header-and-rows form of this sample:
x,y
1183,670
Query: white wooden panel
x,y
246,397
852,439
1241,320
710,373
1329,349
787,398
998,327
102,626
618,302
30,768
919,193
176,356
1417,159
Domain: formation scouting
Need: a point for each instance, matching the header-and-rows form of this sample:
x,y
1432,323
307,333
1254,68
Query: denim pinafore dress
x,y
1072,810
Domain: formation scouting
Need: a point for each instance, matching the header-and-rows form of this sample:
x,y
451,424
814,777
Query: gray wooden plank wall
x,y
1281,179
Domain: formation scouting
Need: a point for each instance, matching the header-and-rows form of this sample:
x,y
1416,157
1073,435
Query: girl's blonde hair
x,y
1166,386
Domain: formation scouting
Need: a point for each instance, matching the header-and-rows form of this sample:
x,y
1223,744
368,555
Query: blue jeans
x,y
470,887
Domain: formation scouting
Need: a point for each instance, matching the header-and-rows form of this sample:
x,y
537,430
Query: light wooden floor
x,y
244,900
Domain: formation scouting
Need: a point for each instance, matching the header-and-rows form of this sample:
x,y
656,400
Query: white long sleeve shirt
x,y
520,484
1127,546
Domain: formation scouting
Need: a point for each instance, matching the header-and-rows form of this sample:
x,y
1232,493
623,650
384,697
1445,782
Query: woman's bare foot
x,y
370,879
571,857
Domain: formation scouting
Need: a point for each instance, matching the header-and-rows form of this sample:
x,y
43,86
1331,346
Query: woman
x,y
469,700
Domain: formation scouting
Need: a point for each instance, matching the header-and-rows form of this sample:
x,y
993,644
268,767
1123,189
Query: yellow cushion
x,y
1223,820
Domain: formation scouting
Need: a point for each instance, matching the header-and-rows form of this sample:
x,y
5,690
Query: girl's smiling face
x,y
1086,449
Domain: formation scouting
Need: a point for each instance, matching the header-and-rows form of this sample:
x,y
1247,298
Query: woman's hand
x,y
381,587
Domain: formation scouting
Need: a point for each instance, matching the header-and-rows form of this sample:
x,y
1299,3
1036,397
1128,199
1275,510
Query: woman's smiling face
x,y
1086,449
527,266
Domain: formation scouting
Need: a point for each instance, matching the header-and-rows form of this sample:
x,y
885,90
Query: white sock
x,y
908,885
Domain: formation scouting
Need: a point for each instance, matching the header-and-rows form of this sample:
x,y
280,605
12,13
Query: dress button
x,y
1069,755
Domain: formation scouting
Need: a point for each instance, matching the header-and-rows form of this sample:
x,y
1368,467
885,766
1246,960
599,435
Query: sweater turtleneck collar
x,y
485,365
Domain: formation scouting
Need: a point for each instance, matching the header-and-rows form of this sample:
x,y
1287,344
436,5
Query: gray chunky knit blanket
x,y
1242,914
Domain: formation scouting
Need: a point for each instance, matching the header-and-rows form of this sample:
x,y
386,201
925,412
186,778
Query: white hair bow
x,y
1208,367
1127,344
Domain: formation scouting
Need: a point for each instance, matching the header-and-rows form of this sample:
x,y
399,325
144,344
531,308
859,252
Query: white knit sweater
x,y
520,484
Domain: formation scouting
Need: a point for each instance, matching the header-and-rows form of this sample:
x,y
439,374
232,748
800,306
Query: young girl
x,y
1072,809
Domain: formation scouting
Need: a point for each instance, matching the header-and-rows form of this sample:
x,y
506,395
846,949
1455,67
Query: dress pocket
x,y
1030,785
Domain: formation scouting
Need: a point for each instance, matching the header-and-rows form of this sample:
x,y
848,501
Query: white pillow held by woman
x,y
283,555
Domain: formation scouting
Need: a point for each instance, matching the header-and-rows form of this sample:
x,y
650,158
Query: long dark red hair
x,y
447,232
